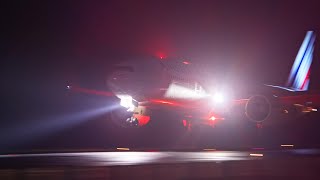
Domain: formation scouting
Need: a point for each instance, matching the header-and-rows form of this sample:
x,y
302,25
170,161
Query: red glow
x,y
186,62
143,120
184,122
162,102
161,55
212,118
166,102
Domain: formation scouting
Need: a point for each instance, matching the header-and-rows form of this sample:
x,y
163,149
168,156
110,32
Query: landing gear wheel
x,y
133,121
258,108
124,119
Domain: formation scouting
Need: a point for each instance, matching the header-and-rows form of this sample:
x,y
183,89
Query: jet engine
x,y
258,108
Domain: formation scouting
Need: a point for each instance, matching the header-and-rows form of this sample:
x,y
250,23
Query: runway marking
x,y
256,155
287,145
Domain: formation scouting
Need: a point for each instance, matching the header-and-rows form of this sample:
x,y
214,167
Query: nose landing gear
x,y
132,121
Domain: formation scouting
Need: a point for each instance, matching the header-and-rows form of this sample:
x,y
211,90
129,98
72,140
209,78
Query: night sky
x,y
47,45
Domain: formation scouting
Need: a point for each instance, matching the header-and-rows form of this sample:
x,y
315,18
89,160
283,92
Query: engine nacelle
x,y
258,108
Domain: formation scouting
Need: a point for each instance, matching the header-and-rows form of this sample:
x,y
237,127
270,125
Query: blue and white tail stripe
x,y
298,78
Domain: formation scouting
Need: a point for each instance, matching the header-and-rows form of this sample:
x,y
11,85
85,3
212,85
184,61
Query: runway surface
x,y
141,158
212,164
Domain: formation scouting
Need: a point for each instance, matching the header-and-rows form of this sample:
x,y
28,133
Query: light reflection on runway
x,y
128,158
140,158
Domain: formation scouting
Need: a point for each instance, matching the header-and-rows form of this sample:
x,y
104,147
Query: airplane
x,y
153,85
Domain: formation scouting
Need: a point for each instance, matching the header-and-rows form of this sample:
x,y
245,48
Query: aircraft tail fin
x,y
299,75
299,78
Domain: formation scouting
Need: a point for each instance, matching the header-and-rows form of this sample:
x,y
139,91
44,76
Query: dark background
x,y
46,45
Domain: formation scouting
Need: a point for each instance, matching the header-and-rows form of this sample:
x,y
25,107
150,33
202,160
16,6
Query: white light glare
x,y
287,145
126,101
218,97
256,155
212,118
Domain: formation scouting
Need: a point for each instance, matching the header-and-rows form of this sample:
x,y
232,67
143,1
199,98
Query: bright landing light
x,y
218,98
126,101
